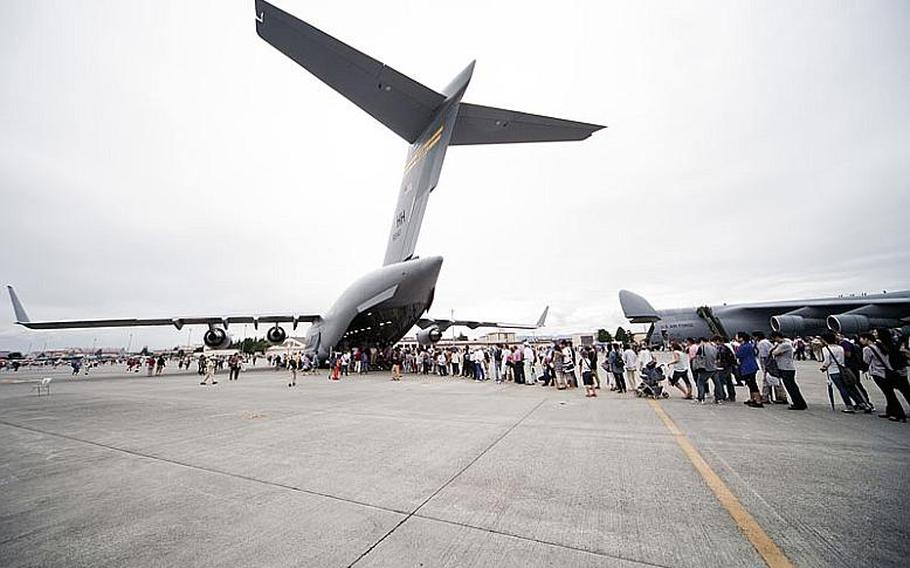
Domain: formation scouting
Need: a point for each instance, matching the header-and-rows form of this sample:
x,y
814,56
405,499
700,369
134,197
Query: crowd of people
x,y
701,369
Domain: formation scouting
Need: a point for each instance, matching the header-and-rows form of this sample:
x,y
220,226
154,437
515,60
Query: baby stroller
x,y
651,378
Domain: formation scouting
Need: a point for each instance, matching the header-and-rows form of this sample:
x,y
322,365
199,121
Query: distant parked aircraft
x,y
380,307
845,314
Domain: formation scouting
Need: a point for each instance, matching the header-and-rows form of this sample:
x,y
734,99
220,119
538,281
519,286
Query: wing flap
x,y
479,124
397,101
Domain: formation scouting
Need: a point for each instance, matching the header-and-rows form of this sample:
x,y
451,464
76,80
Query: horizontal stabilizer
x,y
399,102
478,124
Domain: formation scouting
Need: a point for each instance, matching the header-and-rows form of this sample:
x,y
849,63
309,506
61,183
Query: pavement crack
x,y
144,455
448,482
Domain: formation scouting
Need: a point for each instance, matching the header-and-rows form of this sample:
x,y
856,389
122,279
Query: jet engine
x,y
217,338
796,325
276,335
852,324
429,336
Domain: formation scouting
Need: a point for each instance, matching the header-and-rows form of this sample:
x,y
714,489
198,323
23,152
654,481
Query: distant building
x,y
498,337
291,345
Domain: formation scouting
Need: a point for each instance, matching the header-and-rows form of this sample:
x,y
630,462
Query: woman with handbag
x,y
882,373
842,377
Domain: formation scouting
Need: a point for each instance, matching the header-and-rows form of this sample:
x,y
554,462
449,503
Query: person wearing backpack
x,y
841,376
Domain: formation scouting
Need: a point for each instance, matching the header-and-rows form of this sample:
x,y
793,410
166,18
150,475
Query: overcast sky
x,y
159,159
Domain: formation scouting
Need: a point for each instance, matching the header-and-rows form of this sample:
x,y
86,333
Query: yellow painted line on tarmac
x,y
770,553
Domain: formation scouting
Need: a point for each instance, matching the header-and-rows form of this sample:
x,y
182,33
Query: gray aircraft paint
x,y
847,314
381,306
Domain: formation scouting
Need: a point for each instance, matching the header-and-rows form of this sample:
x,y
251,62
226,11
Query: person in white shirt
x,y
478,358
528,357
680,366
832,362
771,385
630,362
644,357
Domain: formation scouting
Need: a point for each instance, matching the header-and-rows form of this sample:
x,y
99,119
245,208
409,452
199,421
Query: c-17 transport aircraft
x,y
849,315
381,306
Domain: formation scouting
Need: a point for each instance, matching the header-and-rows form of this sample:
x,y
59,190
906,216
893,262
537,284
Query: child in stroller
x,y
651,378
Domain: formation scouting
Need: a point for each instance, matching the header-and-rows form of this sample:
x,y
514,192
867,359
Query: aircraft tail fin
x,y
542,320
21,316
636,308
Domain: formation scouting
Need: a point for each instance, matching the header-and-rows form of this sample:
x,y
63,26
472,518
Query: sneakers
x,y
848,411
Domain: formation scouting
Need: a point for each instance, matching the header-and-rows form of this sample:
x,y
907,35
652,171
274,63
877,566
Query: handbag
x,y
846,373
771,367
890,373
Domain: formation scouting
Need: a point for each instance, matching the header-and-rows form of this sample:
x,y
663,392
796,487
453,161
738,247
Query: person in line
x,y
518,369
726,361
699,370
630,364
748,367
782,352
876,359
160,362
886,365
587,375
456,362
897,360
478,358
772,390
706,363
644,357
527,355
834,364
680,366
568,366
617,368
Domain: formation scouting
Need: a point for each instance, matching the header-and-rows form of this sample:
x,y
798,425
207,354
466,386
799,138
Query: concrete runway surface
x,y
117,470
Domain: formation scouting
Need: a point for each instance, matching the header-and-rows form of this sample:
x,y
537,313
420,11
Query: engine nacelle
x,y
276,335
796,325
217,338
852,324
429,336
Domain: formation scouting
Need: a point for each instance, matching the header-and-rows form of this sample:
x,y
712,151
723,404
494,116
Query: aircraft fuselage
x,y
378,309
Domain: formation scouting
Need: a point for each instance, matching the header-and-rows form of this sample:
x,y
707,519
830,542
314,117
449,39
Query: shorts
x,y
674,378
587,377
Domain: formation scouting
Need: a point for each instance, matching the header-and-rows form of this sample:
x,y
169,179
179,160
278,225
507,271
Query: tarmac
x,y
128,470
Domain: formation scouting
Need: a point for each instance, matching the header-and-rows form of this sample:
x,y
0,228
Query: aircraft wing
x,y
397,101
177,321
444,324
479,124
